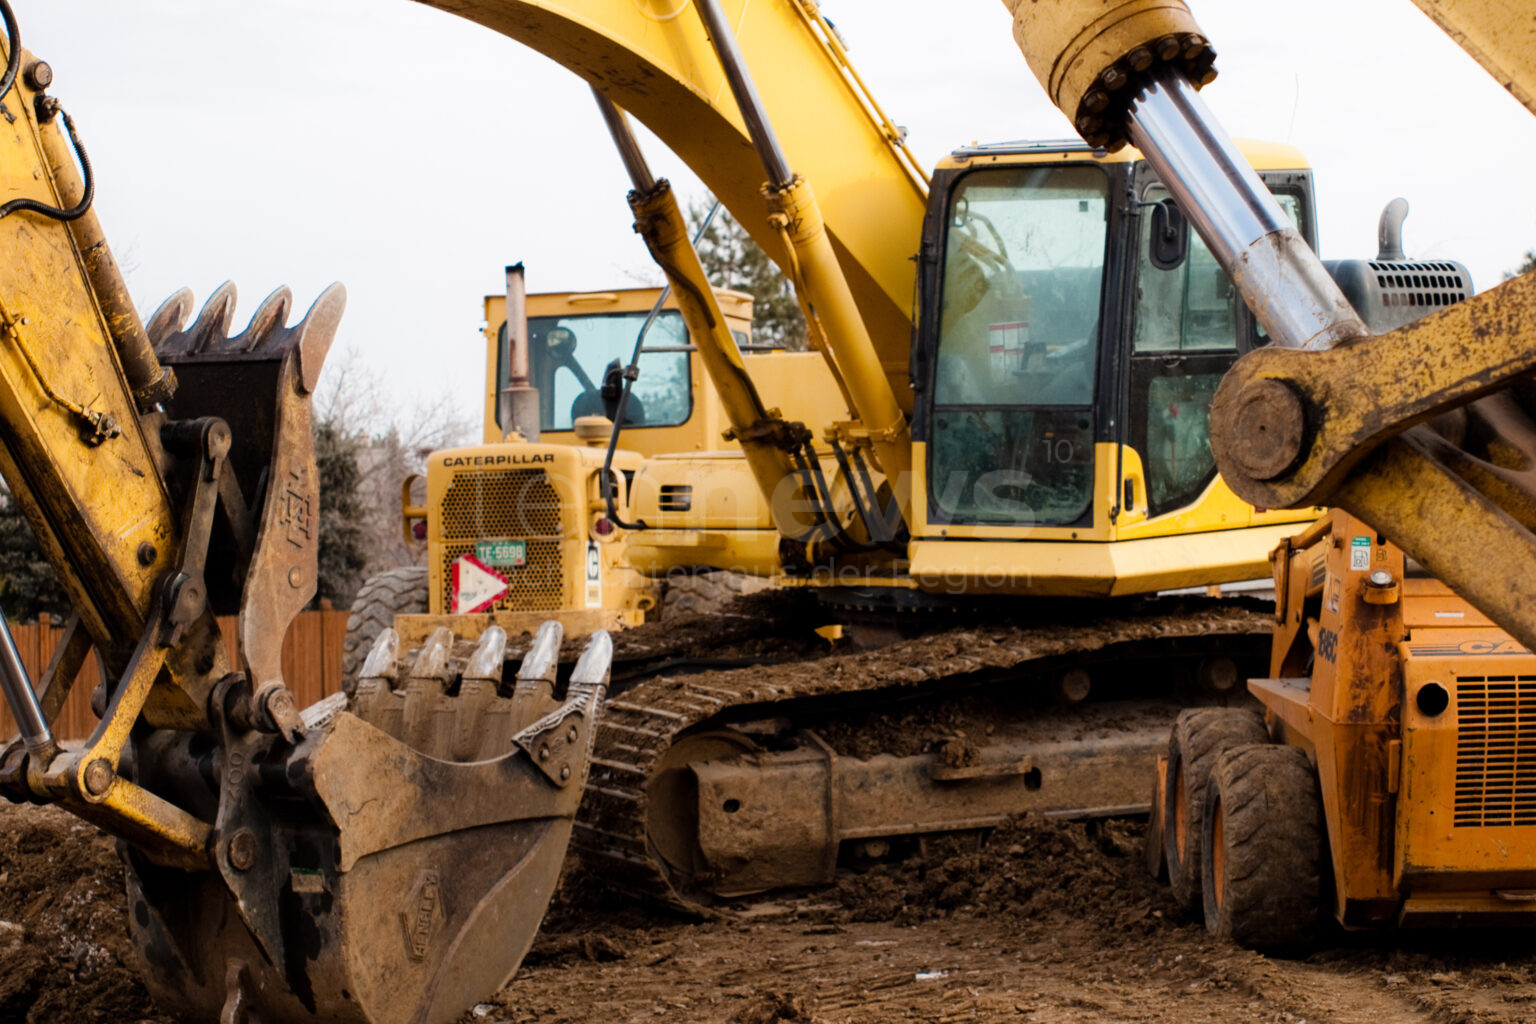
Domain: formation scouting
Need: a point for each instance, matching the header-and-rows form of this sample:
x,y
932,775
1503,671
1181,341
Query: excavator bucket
x,y
393,867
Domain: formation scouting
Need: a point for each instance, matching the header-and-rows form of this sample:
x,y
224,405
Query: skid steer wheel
x,y
1199,738
1263,849
401,591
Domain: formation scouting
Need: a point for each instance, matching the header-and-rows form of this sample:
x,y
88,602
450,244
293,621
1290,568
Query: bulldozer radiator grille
x,y
1495,751
518,505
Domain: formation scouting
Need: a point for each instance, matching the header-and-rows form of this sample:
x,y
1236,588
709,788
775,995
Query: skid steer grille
x,y
1495,751
518,505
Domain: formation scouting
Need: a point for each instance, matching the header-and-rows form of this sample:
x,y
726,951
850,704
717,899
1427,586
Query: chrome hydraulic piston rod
x,y
1129,70
20,696
1281,278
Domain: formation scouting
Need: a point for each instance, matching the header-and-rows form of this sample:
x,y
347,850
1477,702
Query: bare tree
x,y
388,443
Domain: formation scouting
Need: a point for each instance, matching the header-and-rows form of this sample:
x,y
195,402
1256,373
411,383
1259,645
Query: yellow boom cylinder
x,y
829,300
1085,54
766,438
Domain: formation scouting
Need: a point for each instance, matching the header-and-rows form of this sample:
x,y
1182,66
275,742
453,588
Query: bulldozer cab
x,y
574,338
1068,350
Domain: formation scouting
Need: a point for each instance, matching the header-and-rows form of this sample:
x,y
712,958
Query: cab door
x,y
1188,326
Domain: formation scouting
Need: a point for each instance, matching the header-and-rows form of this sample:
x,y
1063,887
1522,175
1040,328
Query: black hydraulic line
x,y
888,533
631,374
53,212
7,83
13,49
853,487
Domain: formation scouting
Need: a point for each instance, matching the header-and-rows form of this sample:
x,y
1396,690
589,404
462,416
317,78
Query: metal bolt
x,y
295,577
1381,578
565,772
1139,59
242,850
98,777
147,553
1113,79
544,753
1095,102
39,75
570,737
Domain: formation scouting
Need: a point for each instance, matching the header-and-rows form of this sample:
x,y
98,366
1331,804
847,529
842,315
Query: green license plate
x,y
502,553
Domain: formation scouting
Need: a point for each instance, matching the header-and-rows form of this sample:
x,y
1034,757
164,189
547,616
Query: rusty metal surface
x,y
777,819
388,884
1353,397
625,831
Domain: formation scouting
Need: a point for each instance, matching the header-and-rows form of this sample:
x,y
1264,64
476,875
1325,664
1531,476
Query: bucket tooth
x,y
481,719
423,687
270,317
373,697
169,319
212,325
534,694
452,862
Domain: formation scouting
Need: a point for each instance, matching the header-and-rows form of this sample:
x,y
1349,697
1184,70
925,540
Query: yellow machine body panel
x,y
519,530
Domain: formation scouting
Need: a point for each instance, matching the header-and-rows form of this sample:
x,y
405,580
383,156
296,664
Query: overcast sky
x,y
412,155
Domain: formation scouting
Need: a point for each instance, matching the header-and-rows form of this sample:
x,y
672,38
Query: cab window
x,y
1012,426
1188,324
570,354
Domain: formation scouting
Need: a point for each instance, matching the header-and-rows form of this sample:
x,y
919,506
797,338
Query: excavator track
x,y
640,728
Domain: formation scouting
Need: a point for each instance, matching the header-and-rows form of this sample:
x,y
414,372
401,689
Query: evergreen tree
x,y
732,260
28,587
1527,264
342,551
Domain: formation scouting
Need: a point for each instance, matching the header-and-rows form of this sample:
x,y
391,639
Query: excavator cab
x,y
1069,346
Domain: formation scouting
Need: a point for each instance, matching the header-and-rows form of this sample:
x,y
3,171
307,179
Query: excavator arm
x,y
1425,432
330,863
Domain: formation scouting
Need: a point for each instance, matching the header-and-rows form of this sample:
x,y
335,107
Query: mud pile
x,y
1032,869
64,949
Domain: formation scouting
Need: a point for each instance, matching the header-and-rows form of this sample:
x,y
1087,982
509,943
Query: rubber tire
x,y
706,593
1267,894
401,591
1200,737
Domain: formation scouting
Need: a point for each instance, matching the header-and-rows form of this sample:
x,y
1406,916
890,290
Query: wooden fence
x,y
311,666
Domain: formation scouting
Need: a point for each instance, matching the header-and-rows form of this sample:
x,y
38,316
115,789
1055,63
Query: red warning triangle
x,y
476,586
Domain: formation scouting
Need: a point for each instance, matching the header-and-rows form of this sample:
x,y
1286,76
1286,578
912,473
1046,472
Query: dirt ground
x,y
1048,921
1043,921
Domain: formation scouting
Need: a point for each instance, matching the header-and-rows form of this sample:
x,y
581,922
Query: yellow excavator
x,y
386,856
1035,425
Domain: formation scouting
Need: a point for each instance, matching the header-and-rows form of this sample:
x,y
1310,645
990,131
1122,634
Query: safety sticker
x,y
594,576
1359,554
1007,346
476,586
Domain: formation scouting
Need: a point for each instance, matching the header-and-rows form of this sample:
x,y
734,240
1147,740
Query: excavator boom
x,y
653,59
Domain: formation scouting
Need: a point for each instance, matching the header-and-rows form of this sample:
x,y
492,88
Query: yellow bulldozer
x,y
386,855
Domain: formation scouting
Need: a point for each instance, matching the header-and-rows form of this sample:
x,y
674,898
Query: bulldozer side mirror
x,y
1170,236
